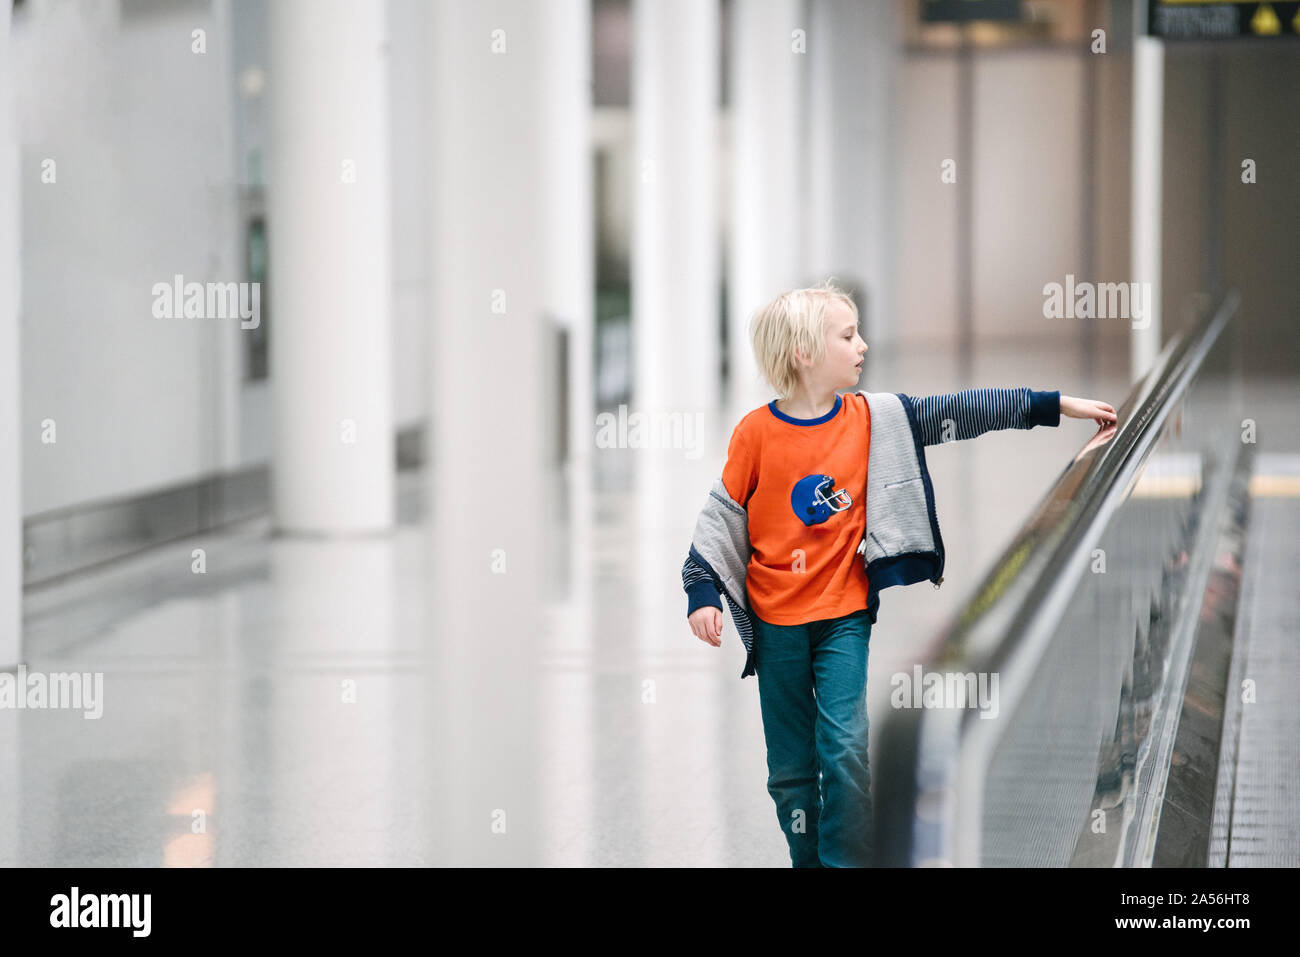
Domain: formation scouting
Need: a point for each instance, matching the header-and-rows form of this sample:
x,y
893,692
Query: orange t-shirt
x,y
803,482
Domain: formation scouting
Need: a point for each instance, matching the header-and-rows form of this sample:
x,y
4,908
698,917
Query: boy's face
x,y
841,366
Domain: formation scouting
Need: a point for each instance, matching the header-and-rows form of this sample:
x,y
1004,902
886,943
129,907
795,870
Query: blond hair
x,y
796,319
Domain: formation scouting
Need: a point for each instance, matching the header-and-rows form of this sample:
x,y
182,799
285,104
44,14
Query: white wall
x,y
149,143
139,127
1028,172
927,209
1027,203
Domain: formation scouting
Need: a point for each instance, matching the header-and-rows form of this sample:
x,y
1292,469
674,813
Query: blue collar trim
x,y
817,421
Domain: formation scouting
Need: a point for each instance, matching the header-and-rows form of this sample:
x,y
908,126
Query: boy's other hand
x,y
706,622
1100,412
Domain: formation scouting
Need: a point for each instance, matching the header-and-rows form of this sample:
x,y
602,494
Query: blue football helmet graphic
x,y
814,501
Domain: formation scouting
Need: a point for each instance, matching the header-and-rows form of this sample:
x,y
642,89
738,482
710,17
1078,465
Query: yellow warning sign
x,y
1223,20
1265,22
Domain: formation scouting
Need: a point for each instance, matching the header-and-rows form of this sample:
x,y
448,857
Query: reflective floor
x,y
292,703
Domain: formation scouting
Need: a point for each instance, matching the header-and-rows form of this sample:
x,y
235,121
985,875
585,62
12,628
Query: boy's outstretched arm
x,y
964,415
955,416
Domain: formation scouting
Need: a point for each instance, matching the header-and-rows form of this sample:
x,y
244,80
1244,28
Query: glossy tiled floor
x,y
295,704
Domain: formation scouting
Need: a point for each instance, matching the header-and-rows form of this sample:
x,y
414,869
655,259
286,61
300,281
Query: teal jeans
x,y
812,689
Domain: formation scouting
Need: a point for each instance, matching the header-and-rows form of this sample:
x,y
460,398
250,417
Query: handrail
x,y
933,760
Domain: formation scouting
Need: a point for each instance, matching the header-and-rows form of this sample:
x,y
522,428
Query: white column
x,y
675,236
676,319
569,290
852,224
11,500
1148,152
491,419
569,284
328,266
770,45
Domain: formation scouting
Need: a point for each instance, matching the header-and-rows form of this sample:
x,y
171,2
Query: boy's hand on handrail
x,y
706,622
1100,412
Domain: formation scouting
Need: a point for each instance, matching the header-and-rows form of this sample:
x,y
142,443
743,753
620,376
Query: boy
x,y
812,480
